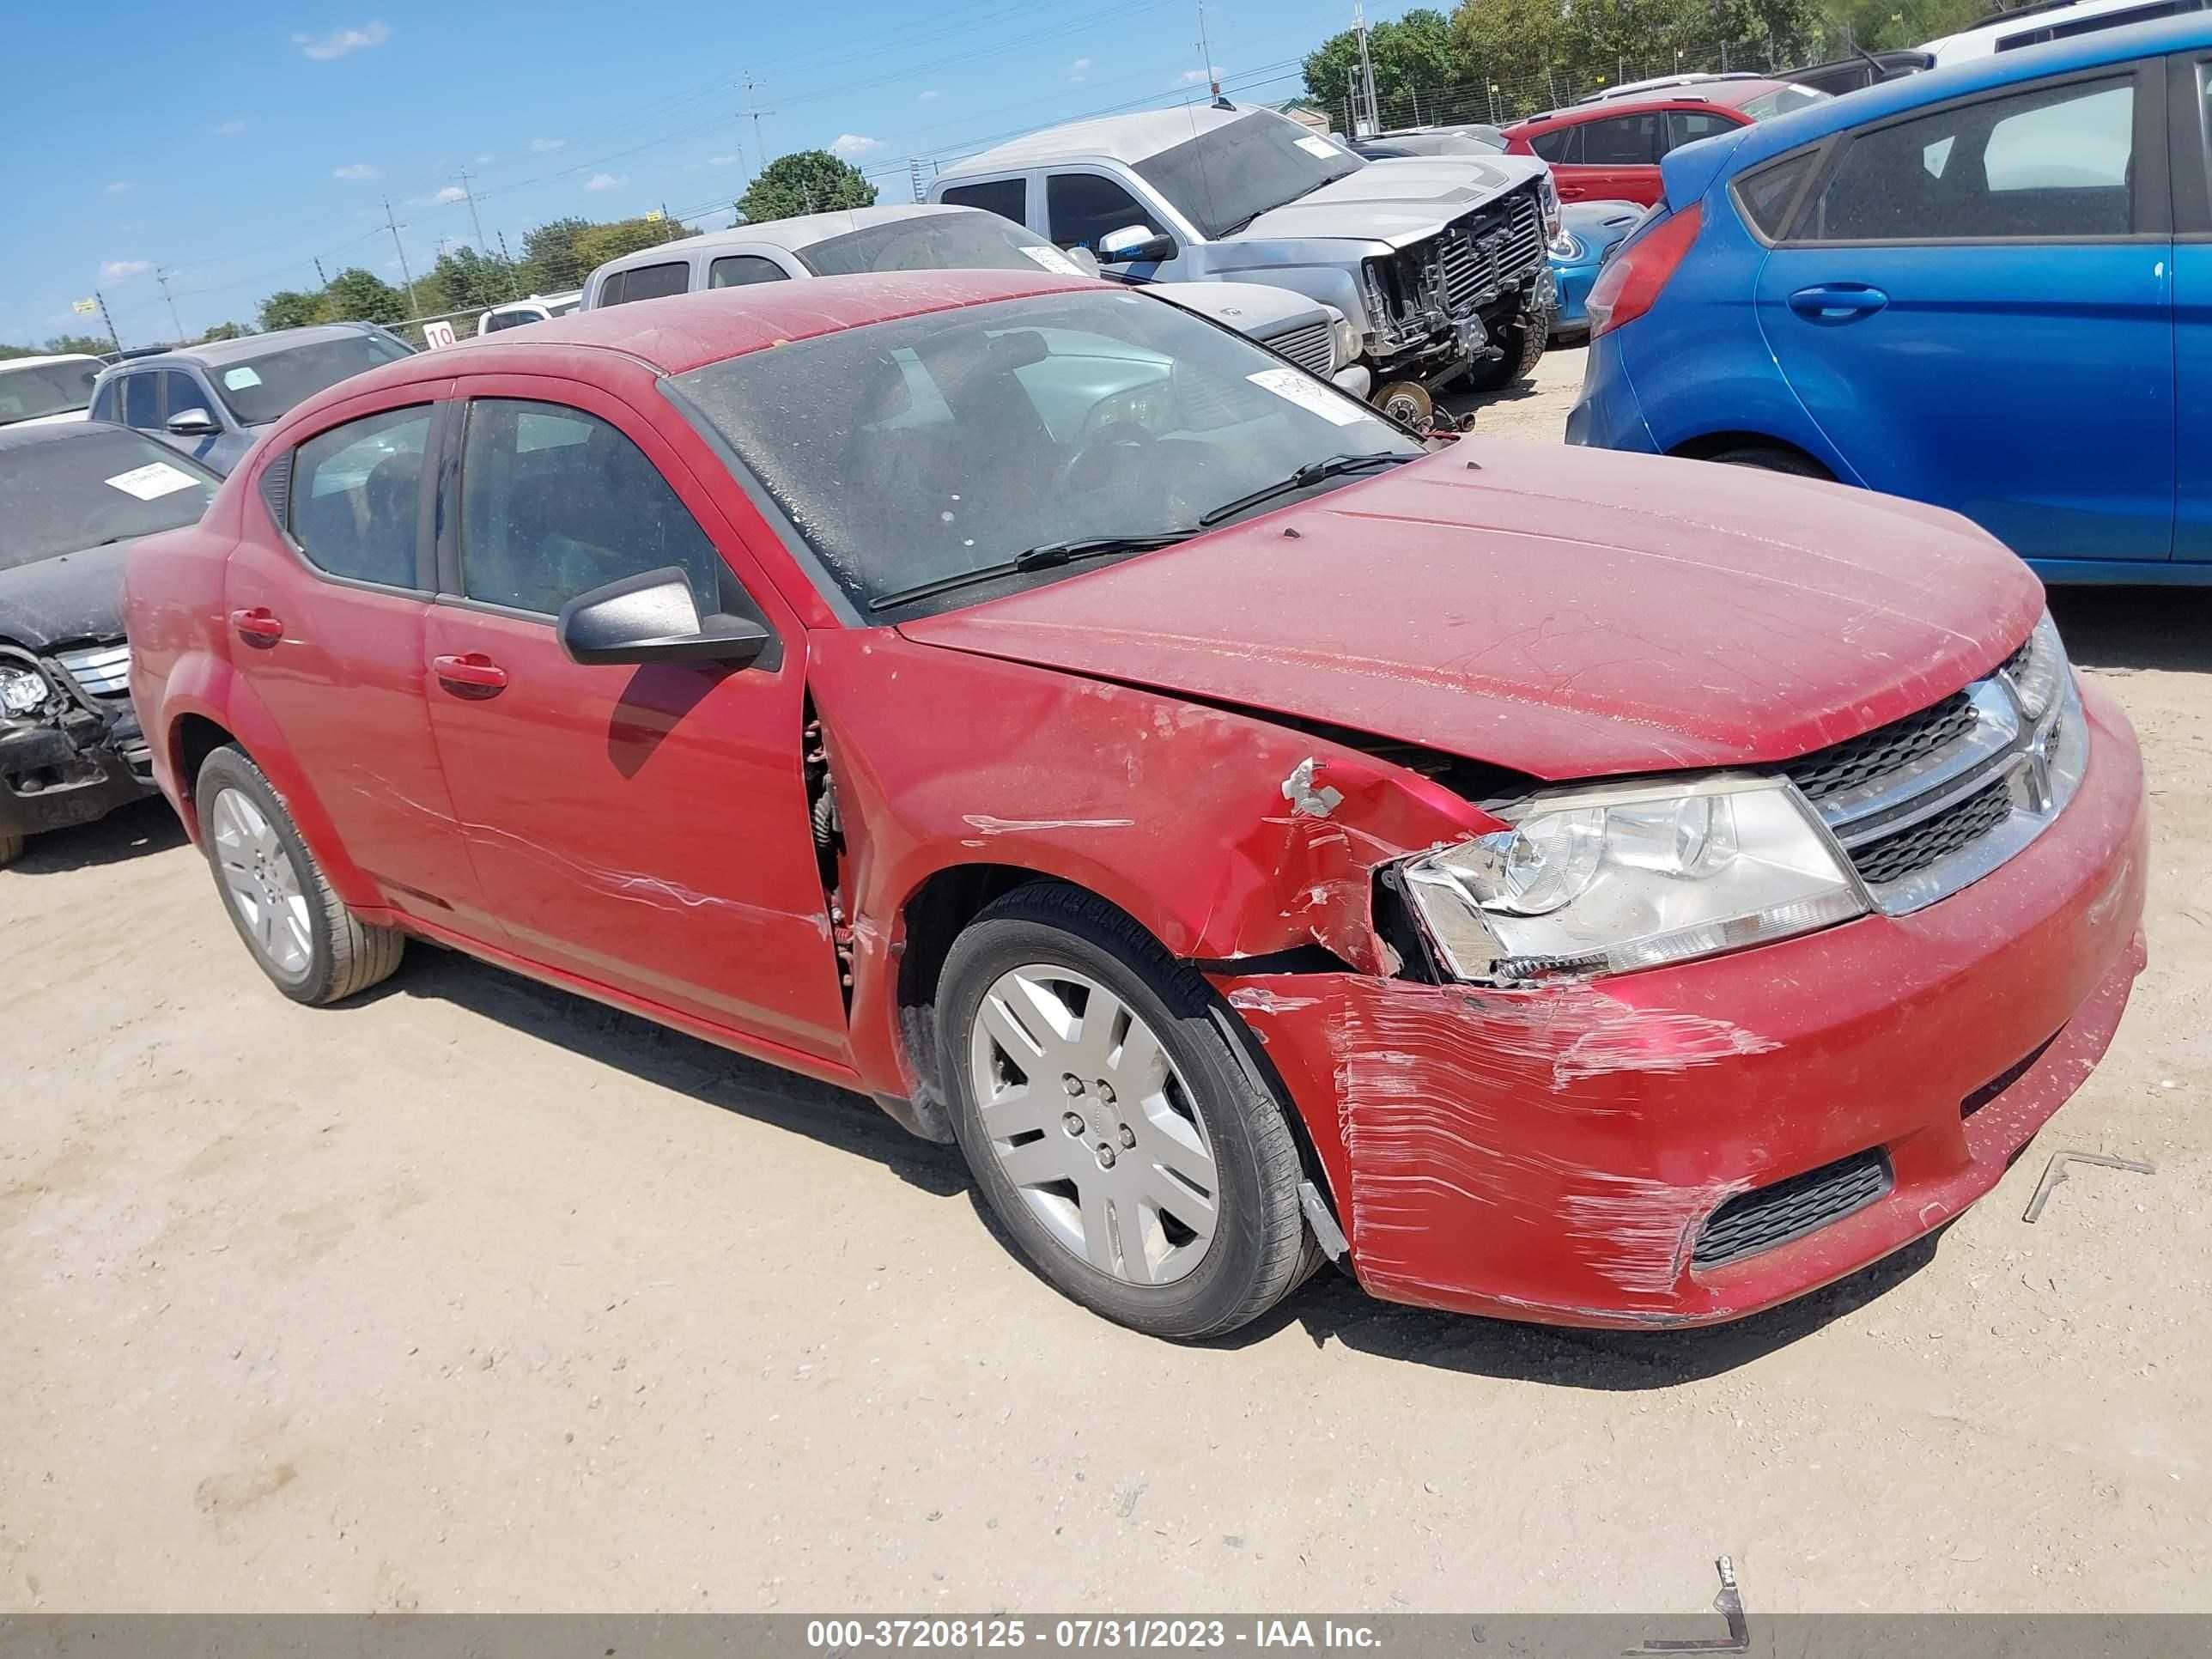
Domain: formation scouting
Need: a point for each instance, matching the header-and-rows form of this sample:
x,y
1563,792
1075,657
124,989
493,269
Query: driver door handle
x,y
475,672
1837,300
260,625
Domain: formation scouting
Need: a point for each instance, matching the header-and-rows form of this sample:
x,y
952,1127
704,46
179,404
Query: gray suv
x,y
1438,262
211,400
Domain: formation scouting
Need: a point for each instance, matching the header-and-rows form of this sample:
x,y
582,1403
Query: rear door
x,y
1975,304
645,829
2189,108
1618,159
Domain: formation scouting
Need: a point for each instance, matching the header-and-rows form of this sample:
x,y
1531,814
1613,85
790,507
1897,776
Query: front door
x,y
326,608
1975,304
1618,159
645,829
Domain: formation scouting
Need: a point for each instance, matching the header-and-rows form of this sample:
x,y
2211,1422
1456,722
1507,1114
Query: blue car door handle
x,y
1836,302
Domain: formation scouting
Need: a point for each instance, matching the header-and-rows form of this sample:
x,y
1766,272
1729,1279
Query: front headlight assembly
x,y
1605,880
22,690
1348,344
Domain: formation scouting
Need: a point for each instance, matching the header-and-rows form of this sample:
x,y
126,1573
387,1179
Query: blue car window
x,y
2044,162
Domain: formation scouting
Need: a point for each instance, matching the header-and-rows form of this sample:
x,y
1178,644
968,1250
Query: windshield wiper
x,y
1311,473
1046,557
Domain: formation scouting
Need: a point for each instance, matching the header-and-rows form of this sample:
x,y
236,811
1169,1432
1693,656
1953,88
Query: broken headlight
x,y
22,690
1603,881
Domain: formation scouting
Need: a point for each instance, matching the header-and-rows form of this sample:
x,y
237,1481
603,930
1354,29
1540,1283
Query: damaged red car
x,y
1530,876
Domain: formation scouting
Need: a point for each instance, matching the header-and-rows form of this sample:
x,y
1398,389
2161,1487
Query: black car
x,y
73,498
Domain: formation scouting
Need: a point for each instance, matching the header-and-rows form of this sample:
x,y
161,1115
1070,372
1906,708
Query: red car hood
x,y
1563,612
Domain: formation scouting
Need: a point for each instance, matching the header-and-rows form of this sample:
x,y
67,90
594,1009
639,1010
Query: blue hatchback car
x,y
1988,286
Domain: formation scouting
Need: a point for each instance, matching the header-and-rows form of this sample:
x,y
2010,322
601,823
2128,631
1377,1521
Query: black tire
x,y
1260,1250
1522,349
345,956
11,848
1770,458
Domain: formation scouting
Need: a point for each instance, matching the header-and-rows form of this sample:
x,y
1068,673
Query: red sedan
x,y
1608,149
1568,886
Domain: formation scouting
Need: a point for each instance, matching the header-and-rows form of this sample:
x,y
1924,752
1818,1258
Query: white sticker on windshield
x,y
1293,386
1054,260
1320,147
152,481
241,379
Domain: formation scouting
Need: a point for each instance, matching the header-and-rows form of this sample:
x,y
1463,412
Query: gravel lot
x,y
475,1296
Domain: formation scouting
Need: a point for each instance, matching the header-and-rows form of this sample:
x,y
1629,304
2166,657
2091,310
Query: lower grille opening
x,y
1911,850
1770,1216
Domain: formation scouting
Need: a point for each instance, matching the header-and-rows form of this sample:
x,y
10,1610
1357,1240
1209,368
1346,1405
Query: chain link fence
x,y
1514,97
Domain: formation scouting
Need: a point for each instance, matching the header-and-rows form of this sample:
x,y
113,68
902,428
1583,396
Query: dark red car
x,y
1252,833
1608,149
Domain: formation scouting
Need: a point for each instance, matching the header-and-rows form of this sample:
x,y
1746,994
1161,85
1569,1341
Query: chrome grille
x,y
1488,249
100,671
1312,348
1883,751
1908,851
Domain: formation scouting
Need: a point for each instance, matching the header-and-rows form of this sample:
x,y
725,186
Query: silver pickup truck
x,y
1438,262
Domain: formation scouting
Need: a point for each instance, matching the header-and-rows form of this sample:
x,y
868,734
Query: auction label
x,y
1295,386
152,481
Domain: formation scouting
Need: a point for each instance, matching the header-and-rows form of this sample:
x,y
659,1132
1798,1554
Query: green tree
x,y
597,244
550,261
1413,55
355,295
464,279
225,331
805,182
294,308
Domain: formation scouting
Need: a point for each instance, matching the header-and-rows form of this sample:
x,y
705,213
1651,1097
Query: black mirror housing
x,y
651,617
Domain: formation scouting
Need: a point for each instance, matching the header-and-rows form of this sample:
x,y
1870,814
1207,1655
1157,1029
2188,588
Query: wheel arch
x,y
1708,445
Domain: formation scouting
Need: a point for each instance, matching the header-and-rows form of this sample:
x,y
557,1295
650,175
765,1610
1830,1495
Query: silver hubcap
x,y
263,886
1093,1124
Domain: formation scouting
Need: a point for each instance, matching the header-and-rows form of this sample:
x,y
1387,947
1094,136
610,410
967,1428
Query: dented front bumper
x,y
1558,1154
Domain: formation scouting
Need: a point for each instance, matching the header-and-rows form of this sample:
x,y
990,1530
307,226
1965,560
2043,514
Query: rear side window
x,y
2053,161
104,405
356,497
742,270
500,320
1767,195
645,282
141,402
1008,197
556,502
1086,206
1622,141
1561,145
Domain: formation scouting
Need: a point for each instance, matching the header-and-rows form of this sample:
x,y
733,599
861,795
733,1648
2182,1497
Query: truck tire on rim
x,y
1521,347
1113,1131
298,930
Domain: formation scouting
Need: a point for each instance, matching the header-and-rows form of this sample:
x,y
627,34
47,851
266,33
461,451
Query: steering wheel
x,y
1118,442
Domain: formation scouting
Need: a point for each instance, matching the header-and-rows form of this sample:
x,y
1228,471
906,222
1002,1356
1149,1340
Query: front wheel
x,y
1111,1129
1766,457
1521,348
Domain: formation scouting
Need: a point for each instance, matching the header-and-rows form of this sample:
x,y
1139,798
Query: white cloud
x,y
606,181
852,146
1078,69
929,97
546,145
1199,78
338,42
229,129
723,160
117,188
452,193
354,170
121,270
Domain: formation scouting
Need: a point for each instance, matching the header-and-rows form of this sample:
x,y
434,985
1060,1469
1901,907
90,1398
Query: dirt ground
x,y
475,1295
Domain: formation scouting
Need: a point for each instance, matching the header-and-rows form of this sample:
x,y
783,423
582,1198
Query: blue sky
x,y
229,149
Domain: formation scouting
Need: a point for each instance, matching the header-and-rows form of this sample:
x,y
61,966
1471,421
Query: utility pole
x,y
753,109
321,281
392,225
475,223
1373,116
162,277
513,281
114,338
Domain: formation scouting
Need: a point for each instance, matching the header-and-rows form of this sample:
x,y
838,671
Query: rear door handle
x,y
475,671
261,625
1838,300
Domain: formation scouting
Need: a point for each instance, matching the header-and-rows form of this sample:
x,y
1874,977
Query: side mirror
x,y
192,423
1134,245
652,618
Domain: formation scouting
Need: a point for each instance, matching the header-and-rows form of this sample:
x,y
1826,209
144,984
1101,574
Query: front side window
x,y
743,270
262,388
142,401
1224,178
1006,197
179,393
1686,127
556,502
356,497
2053,161
1622,141
90,485
45,389
1082,207
965,438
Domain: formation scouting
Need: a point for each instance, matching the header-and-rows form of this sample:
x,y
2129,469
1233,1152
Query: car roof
x,y
215,354
1997,69
685,331
1730,93
565,297
1126,138
2026,19
6,363
803,231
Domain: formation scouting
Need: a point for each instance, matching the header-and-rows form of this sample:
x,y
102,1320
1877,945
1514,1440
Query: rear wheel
x,y
1770,458
1521,347
1109,1125
298,930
